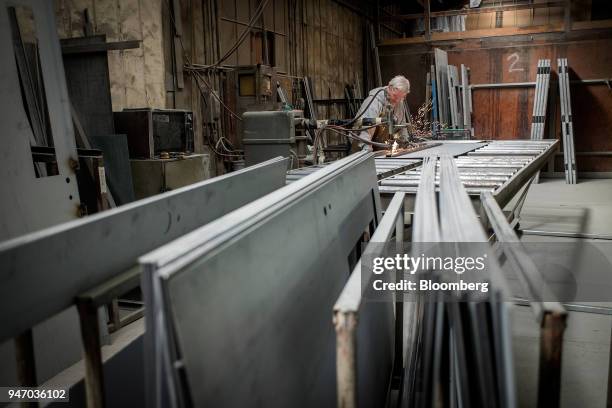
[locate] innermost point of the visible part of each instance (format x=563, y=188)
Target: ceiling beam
x=480, y=10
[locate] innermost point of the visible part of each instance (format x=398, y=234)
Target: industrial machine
x=269, y=134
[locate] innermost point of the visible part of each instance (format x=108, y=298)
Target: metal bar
x=399, y=303
x=465, y=93
x=532, y=282
x=426, y=227
x=503, y=85
x=457, y=215
x=573, y=307
x=566, y=234
x=121, y=235
x=452, y=97
x=598, y=81
x=587, y=154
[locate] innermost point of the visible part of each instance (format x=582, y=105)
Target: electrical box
x=256, y=83
x=153, y=131
x=154, y=176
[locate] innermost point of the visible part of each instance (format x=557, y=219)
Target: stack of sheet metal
x=460, y=350
x=540, y=100
x=242, y=305
x=567, y=126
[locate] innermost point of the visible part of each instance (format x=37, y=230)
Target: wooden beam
x=102, y=47
x=549, y=370
x=427, y=19
x=484, y=33
x=480, y=10
x=590, y=25
x=567, y=16
x=92, y=354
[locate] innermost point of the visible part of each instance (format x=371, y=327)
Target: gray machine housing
x=270, y=134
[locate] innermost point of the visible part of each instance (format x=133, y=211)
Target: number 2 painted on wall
x=514, y=58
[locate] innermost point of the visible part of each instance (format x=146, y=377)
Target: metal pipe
x=503, y=85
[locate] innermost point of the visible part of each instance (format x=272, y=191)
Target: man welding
x=385, y=102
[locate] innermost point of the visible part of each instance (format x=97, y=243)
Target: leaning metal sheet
x=367, y=327
x=453, y=148
x=249, y=295
x=30, y=203
x=58, y=263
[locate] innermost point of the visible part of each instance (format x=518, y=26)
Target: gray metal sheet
x=250, y=294
x=453, y=149
x=367, y=327
x=56, y=264
x=29, y=203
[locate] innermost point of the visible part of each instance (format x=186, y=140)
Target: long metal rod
x=503, y=85
x=426, y=227
x=566, y=234
x=532, y=281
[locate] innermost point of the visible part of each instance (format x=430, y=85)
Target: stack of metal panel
x=466, y=98
x=442, y=91
x=541, y=99
x=569, y=154
x=456, y=101
x=251, y=294
x=539, y=102
x=493, y=167
x=460, y=350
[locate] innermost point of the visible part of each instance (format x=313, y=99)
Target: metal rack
x=500, y=167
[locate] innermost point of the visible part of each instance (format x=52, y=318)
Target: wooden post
x=113, y=311
x=427, y=20
x=26, y=364
x=567, y=18
x=92, y=354
x=551, y=346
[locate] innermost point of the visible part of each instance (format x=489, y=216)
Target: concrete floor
x=583, y=208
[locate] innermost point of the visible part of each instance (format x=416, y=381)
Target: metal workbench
x=499, y=167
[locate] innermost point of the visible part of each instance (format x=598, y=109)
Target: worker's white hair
x=400, y=83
